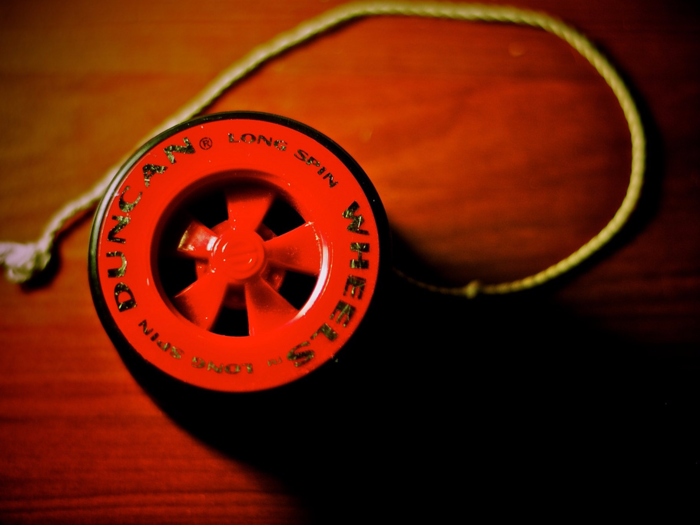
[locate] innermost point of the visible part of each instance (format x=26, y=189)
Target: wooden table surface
x=496, y=150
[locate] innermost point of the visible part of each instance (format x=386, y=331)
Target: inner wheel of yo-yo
x=239, y=259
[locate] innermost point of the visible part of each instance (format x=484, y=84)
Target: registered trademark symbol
x=205, y=143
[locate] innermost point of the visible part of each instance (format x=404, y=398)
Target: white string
x=22, y=261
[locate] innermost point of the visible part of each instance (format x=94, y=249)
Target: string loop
x=22, y=261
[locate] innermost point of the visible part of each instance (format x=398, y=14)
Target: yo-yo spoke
x=201, y=301
x=298, y=250
x=267, y=309
x=197, y=242
x=247, y=207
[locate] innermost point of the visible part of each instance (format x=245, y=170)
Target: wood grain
x=497, y=151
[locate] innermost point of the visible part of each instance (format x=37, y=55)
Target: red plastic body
x=208, y=224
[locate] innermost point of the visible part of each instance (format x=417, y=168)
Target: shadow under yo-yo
x=435, y=403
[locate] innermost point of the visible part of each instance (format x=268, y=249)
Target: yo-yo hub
x=237, y=252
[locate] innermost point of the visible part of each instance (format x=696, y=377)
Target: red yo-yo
x=237, y=251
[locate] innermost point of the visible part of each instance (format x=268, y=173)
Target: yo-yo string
x=23, y=260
